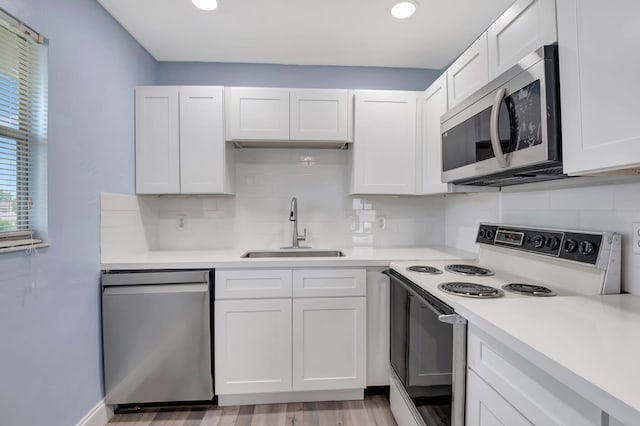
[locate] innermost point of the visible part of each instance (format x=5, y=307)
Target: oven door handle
x=495, y=132
x=413, y=293
x=452, y=319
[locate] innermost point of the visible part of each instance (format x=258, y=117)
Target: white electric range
x=428, y=338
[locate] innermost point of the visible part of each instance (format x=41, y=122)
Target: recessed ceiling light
x=403, y=9
x=205, y=4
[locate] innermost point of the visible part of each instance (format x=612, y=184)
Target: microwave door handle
x=495, y=133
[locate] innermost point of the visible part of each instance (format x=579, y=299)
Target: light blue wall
x=224, y=74
x=50, y=344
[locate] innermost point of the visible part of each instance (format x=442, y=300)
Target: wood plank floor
x=373, y=411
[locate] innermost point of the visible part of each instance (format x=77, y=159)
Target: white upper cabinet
x=180, y=147
x=469, y=72
x=263, y=114
x=157, y=140
x=524, y=27
x=205, y=165
x=319, y=115
x=384, y=148
x=257, y=113
x=599, y=88
x=434, y=105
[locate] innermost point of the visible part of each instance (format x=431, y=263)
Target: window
x=23, y=133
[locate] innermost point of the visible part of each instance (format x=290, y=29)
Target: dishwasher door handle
x=155, y=289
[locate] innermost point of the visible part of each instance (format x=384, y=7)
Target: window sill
x=23, y=248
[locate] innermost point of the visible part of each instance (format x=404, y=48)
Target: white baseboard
x=282, y=397
x=98, y=416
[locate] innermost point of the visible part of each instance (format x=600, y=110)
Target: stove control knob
x=553, y=243
x=587, y=248
x=482, y=233
x=570, y=245
x=490, y=234
x=538, y=241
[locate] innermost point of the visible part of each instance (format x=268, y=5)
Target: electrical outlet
x=636, y=237
x=181, y=222
x=381, y=222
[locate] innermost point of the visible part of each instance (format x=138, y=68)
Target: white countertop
x=195, y=259
x=589, y=343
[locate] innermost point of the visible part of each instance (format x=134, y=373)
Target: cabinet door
x=202, y=145
x=252, y=346
x=157, y=140
x=329, y=344
x=319, y=115
x=486, y=407
x=524, y=27
x=469, y=72
x=257, y=114
x=599, y=84
x=433, y=107
x=384, y=148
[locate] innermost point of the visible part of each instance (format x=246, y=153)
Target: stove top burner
x=469, y=270
x=529, y=289
x=424, y=269
x=470, y=290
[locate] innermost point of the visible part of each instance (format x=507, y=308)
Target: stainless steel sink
x=293, y=253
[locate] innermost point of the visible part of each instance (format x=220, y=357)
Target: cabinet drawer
x=252, y=283
x=539, y=397
x=329, y=282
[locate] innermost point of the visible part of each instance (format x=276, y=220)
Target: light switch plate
x=636, y=237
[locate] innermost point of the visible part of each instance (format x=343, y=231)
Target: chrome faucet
x=293, y=217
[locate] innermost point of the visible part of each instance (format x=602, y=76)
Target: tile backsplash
x=600, y=208
x=258, y=216
x=266, y=179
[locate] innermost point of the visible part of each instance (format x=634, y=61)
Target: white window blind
x=23, y=130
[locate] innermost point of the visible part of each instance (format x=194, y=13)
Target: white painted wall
x=257, y=217
x=606, y=208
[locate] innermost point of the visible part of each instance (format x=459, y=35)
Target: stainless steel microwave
x=508, y=132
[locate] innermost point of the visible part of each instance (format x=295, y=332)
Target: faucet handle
x=304, y=236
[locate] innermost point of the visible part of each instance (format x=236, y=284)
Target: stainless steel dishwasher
x=157, y=336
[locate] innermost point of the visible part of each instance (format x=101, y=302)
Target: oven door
x=428, y=351
x=514, y=126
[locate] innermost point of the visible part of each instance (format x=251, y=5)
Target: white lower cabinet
x=378, y=327
x=252, y=346
x=486, y=407
x=505, y=388
x=273, y=343
x=329, y=343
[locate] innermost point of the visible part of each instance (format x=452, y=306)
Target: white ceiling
x=307, y=32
